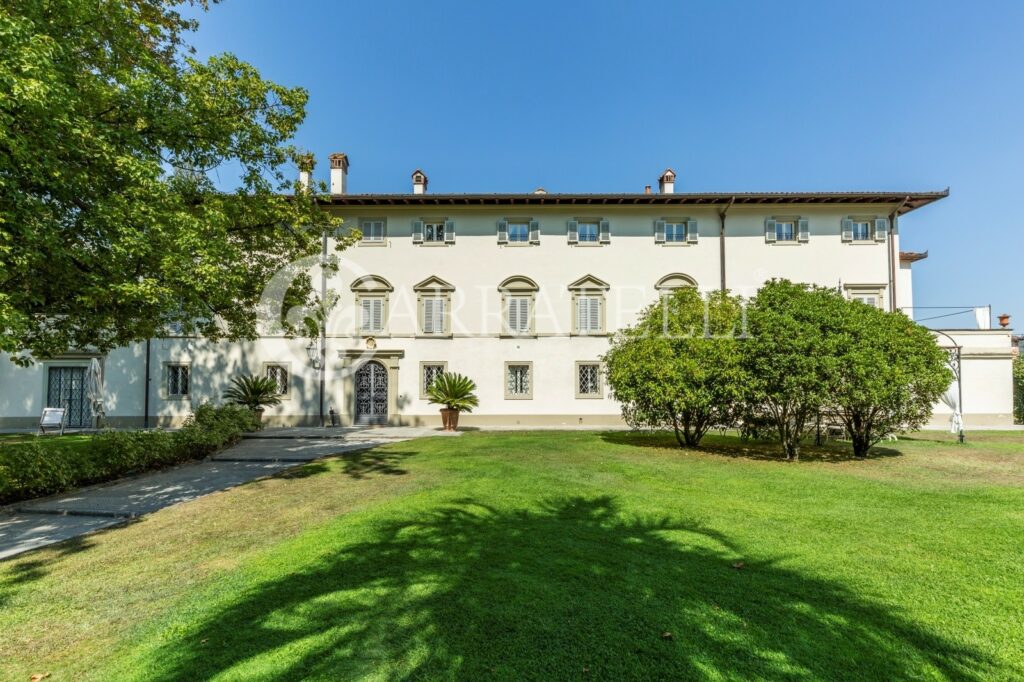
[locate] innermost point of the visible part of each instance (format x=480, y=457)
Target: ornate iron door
x=66, y=388
x=372, y=394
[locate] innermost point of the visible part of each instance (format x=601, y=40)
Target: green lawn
x=552, y=556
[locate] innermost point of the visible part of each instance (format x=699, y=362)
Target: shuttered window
x=588, y=314
x=433, y=316
x=372, y=319
x=518, y=315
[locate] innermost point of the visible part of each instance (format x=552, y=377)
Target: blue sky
x=601, y=96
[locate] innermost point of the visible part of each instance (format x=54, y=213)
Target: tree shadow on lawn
x=734, y=446
x=570, y=588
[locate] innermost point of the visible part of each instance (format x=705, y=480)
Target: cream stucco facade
x=542, y=372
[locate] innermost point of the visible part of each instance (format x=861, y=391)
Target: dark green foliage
x=454, y=391
x=253, y=392
x=44, y=466
x=679, y=366
x=1018, y=390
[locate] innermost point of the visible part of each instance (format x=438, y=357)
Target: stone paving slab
x=149, y=492
x=23, y=532
x=292, y=449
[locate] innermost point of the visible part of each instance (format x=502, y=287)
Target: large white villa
x=520, y=292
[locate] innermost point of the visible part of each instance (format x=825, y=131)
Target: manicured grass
x=552, y=556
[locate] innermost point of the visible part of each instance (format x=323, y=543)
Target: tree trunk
x=861, y=445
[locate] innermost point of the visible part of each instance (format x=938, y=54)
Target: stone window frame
x=419, y=379
x=504, y=379
x=518, y=286
x=165, y=384
x=600, y=380
x=589, y=286
x=852, y=291
x=371, y=287
x=383, y=241
x=287, y=365
x=437, y=288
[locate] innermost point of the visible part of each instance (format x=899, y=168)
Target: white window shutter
x=378, y=314
x=367, y=315
x=804, y=230
x=439, y=305
x=428, y=316
x=417, y=232
x=573, y=231
x=659, y=231
x=594, y=321
x=847, y=230
x=606, y=232
x=534, y=232
x=769, y=230
x=449, y=231
x=524, y=315
x=513, y=314
x=881, y=229
x=692, y=235
x=503, y=232
x=582, y=313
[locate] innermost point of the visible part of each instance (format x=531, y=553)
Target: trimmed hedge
x=44, y=467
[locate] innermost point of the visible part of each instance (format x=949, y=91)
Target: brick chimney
x=339, y=173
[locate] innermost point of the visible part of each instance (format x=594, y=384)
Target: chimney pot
x=1004, y=321
x=667, y=182
x=647, y=189
x=419, y=182
x=339, y=173
x=306, y=165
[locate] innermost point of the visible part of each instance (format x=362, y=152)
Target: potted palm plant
x=254, y=392
x=456, y=393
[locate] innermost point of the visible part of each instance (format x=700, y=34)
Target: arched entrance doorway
x=372, y=394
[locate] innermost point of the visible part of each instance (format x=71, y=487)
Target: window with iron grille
x=518, y=381
x=279, y=373
x=588, y=380
x=431, y=372
x=177, y=381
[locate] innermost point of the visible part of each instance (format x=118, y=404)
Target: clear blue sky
x=596, y=96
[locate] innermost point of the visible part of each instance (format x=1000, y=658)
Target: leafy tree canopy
x=110, y=227
x=679, y=366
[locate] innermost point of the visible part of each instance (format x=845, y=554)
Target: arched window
x=669, y=283
x=372, y=304
x=518, y=298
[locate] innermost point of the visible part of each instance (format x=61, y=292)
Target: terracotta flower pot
x=449, y=419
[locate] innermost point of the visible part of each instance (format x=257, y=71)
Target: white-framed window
x=518, y=380
x=785, y=230
x=588, y=380
x=428, y=372
x=434, y=314
x=279, y=373
x=371, y=314
x=433, y=231
x=675, y=232
x=588, y=232
x=868, y=294
x=373, y=231
x=519, y=232
x=178, y=380
x=860, y=230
